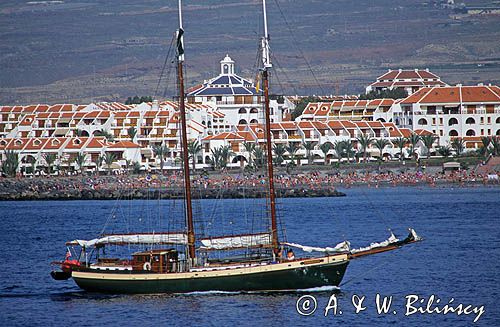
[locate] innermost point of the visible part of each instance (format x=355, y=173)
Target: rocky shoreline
x=144, y=194
x=81, y=189
x=169, y=187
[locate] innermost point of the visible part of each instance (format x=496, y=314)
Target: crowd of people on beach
x=310, y=180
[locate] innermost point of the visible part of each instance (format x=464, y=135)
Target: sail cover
x=341, y=247
x=125, y=239
x=237, y=241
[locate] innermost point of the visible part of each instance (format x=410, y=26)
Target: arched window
x=254, y=111
x=242, y=111
x=254, y=121
x=242, y=122
x=470, y=121
x=453, y=133
x=498, y=120
x=470, y=132
x=203, y=122
x=452, y=121
x=422, y=121
x=498, y=132
x=410, y=121
x=396, y=121
x=382, y=120
x=209, y=124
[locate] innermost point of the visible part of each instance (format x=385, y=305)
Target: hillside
x=79, y=51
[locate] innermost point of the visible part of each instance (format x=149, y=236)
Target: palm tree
x=458, y=144
x=10, y=164
x=98, y=163
x=364, y=141
x=484, y=150
x=249, y=147
x=309, y=146
x=380, y=144
x=80, y=161
x=428, y=141
x=339, y=149
x=109, y=158
x=106, y=134
x=226, y=155
x=259, y=155
x=325, y=147
x=221, y=156
x=193, y=148
x=495, y=142
x=132, y=132
x=349, y=150
x=136, y=167
x=50, y=158
x=400, y=142
x=445, y=151
x=292, y=149
x=128, y=164
x=413, y=139
x=216, y=157
x=279, y=151
x=160, y=151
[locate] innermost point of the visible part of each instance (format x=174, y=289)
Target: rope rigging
x=167, y=59
x=296, y=45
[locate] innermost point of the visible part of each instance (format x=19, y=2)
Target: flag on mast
x=180, y=44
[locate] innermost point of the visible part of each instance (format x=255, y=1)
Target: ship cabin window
x=159, y=260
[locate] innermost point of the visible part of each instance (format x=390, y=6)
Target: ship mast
x=185, y=155
x=266, y=61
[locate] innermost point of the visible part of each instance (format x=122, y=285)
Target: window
x=254, y=111
x=452, y=121
x=242, y=111
x=422, y=121
x=470, y=132
x=242, y=122
x=453, y=133
x=470, y=121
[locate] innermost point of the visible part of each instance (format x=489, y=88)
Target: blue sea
x=458, y=262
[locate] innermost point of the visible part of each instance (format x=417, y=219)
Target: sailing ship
x=159, y=268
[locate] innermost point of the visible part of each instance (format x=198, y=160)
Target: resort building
x=356, y=110
x=407, y=80
x=468, y=112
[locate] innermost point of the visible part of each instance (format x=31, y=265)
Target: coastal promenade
x=154, y=186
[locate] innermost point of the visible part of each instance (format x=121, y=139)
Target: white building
x=408, y=80
x=236, y=97
x=458, y=111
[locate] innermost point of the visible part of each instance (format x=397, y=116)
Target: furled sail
x=391, y=240
x=341, y=247
x=390, y=244
x=236, y=241
x=124, y=239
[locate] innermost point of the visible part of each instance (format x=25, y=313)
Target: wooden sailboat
x=166, y=270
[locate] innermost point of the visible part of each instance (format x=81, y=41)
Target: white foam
x=325, y=288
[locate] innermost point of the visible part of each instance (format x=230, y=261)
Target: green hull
x=330, y=274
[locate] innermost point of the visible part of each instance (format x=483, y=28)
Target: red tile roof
x=124, y=144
